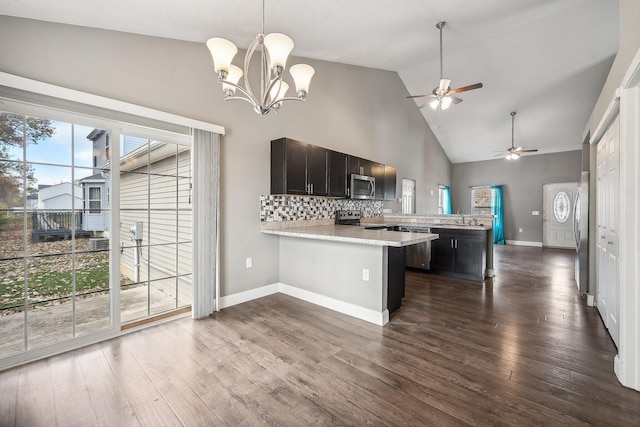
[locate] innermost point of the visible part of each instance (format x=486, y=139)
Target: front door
x=557, y=210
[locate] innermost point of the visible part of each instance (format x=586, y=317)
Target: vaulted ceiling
x=545, y=59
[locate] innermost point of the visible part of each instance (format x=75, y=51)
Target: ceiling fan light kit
x=274, y=51
x=442, y=96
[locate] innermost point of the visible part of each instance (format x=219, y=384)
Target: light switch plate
x=535, y=212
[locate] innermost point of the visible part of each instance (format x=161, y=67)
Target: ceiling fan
x=442, y=96
x=513, y=152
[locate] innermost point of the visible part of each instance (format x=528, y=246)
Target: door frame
x=626, y=100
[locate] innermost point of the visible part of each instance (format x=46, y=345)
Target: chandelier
x=274, y=50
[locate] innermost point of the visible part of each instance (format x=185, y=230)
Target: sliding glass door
x=95, y=227
x=155, y=217
x=54, y=273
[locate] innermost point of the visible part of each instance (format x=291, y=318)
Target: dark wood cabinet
x=377, y=171
x=338, y=174
x=389, y=185
x=360, y=166
x=318, y=170
x=395, y=277
x=459, y=253
x=298, y=168
x=305, y=169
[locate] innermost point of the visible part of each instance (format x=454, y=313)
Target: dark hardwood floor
x=520, y=349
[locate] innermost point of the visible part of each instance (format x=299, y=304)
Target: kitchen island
x=348, y=269
x=464, y=249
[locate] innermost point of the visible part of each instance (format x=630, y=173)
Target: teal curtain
x=497, y=209
x=446, y=203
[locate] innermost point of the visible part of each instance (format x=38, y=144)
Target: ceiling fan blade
x=454, y=99
x=419, y=96
x=444, y=85
x=465, y=88
x=533, y=150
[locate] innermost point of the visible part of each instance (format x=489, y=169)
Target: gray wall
x=628, y=45
x=356, y=110
x=522, y=181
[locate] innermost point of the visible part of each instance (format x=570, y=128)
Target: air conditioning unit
x=98, y=244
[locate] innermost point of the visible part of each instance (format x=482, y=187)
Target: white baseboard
x=240, y=297
x=523, y=243
x=362, y=313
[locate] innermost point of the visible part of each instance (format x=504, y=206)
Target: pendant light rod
x=439, y=26
x=513, y=119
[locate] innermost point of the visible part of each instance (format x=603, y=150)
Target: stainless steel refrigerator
x=581, y=233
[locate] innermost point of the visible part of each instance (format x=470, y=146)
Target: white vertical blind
x=206, y=190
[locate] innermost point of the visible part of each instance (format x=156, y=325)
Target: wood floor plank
x=522, y=348
x=71, y=392
x=148, y=403
x=8, y=398
x=35, y=403
x=108, y=398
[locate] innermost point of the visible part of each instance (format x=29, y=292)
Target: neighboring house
x=95, y=203
x=159, y=197
x=150, y=195
x=60, y=197
x=101, y=148
x=32, y=201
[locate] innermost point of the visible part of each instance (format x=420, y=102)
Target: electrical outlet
x=365, y=274
x=249, y=262
x=432, y=192
x=519, y=230
x=535, y=213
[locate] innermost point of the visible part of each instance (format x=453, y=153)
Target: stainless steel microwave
x=362, y=187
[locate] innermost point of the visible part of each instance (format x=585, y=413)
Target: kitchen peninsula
x=356, y=270
x=349, y=269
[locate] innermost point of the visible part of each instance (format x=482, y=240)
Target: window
x=481, y=200
x=95, y=200
x=561, y=206
x=444, y=202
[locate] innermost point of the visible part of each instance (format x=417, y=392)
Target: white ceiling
x=545, y=59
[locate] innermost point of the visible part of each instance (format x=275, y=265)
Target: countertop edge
x=370, y=237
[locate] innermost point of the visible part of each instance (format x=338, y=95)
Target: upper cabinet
x=338, y=175
x=377, y=171
x=360, y=166
x=298, y=168
x=318, y=170
x=305, y=169
x=389, y=188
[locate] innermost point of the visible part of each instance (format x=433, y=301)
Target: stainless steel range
x=348, y=217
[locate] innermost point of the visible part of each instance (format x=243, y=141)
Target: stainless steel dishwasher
x=418, y=255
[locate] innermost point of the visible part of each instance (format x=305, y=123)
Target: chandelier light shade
x=274, y=49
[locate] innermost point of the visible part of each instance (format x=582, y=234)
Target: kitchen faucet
x=461, y=212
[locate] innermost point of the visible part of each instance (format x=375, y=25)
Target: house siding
x=160, y=200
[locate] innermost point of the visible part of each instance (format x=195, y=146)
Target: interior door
x=557, y=209
x=608, y=202
x=408, y=196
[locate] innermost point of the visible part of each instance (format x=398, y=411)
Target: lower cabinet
x=459, y=253
x=395, y=277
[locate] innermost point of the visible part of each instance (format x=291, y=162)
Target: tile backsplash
x=275, y=208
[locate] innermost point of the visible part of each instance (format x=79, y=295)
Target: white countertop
x=353, y=234
x=451, y=221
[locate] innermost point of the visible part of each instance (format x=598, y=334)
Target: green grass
x=56, y=284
